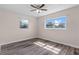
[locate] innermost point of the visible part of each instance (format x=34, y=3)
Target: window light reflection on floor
x=48, y=47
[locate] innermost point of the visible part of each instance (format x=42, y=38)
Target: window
x=24, y=24
x=56, y=23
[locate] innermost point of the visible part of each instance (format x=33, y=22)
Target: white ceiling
x=25, y=8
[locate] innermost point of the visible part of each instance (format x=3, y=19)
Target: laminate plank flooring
x=38, y=47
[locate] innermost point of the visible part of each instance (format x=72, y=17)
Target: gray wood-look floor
x=38, y=47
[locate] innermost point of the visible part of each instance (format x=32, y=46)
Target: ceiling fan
x=38, y=7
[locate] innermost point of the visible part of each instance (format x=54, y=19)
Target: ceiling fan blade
x=33, y=10
x=42, y=5
x=44, y=9
x=33, y=6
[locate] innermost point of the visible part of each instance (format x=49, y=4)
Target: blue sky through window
x=59, y=19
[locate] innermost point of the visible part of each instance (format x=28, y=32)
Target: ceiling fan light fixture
x=38, y=11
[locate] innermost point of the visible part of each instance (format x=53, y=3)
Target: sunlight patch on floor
x=48, y=47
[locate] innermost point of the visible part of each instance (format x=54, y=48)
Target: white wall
x=67, y=37
x=10, y=30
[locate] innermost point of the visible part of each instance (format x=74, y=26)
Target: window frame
x=56, y=28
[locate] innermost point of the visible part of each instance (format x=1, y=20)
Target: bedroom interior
x=39, y=29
